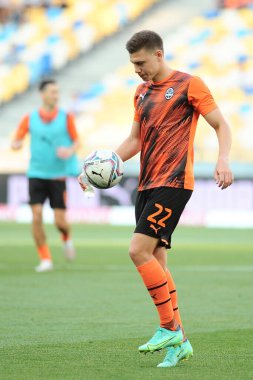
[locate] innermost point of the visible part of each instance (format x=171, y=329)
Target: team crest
x=169, y=93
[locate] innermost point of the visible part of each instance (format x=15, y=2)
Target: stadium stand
x=37, y=37
x=217, y=46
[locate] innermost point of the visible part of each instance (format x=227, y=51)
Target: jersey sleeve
x=22, y=129
x=71, y=126
x=200, y=97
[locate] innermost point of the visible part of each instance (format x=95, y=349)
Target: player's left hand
x=64, y=152
x=81, y=182
x=223, y=174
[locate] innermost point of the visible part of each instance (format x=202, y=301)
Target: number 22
x=151, y=218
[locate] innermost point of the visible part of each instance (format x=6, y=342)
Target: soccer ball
x=103, y=169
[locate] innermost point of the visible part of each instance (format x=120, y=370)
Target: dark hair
x=146, y=39
x=45, y=82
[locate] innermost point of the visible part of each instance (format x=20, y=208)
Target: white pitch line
x=78, y=242
x=214, y=268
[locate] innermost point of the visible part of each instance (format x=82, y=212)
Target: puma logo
x=99, y=174
x=154, y=228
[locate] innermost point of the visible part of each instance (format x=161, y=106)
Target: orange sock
x=173, y=294
x=155, y=281
x=65, y=236
x=44, y=252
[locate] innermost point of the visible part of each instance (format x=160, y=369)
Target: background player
x=53, y=143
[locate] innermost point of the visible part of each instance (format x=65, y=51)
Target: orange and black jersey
x=168, y=112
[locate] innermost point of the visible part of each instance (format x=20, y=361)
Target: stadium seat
x=49, y=38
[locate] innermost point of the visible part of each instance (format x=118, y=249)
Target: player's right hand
x=16, y=144
x=81, y=183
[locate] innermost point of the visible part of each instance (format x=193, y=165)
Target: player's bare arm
x=64, y=152
x=223, y=174
x=132, y=144
x=21, y=132
x=17, y=144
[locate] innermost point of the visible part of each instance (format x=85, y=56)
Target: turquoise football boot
x=177, y=353
x=162, y=338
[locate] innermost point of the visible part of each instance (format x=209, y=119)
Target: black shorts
x=158, y=210
x=52, y=189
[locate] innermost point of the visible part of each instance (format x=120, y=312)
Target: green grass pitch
x=86, y=319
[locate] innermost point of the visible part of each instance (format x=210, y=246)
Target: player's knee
x=37, y=218
x=161, y=256
x=138, y=255
x=60, y=223
x=133, y=253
